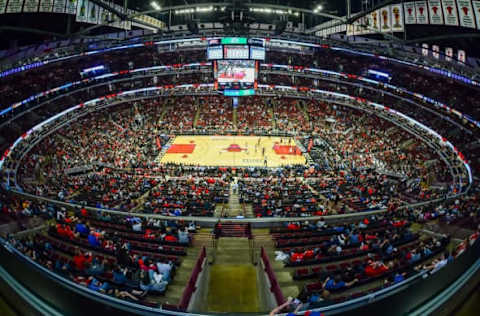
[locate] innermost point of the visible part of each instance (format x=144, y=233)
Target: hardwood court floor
x=240, y=151
x=232, y=289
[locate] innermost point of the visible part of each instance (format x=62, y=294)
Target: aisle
x=233, y=279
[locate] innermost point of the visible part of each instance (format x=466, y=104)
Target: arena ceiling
x=23, y=29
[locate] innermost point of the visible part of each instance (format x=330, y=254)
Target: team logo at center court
x=235, y=148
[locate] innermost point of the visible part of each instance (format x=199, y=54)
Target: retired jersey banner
x=410, y=17
x=421, y=12
x=450, y=12
x=476, y=10
x=435, y=12
x=385, y=20
x=397, y=18
x=375, y=27
x=448, y=54
x=59, y=6
x=46, y=6
x=71, y=7
x=81, y=11
x=465, y=13
x=14, y=6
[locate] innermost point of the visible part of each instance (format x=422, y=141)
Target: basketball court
x=241, y=151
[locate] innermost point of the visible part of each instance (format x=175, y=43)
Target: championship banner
x=397, y=18
x=81, y=11
x=476, y=10
x=435, y=12
x=14, y=6
x=46, y=6
x=30, y=6
x=465, y=13
x=92, y=16
x=450, y=12
x=409, y=9
x=448, y=54
x=59, y=6
x=421, y=12
x=71, y=7
x=3, y=4
x=385, y=20
x=425, y=49
x=436, y=51
x=462, y=56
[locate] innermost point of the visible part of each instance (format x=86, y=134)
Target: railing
x=274, y=287
x=192, y=282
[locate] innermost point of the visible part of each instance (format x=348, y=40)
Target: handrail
x=207, y=220
x=191, y=285
x=274, y=287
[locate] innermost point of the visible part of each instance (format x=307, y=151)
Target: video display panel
x=215, y=52
x=236, y=71
x=257, y=53
x=236, y=52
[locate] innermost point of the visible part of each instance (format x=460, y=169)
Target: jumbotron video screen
x=238, y=74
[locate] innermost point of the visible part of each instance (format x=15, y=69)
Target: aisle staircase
x=234, y=208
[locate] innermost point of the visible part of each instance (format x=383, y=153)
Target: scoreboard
x=236, y=48
x=236, y=52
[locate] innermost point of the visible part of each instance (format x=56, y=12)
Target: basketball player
x=263, y=151
x=265, y=162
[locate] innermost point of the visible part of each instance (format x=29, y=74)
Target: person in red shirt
x=375, y=268
x=171, y=238
x=79, y=261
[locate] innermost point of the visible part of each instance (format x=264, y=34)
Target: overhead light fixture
x=318, y=8
x=155, y=5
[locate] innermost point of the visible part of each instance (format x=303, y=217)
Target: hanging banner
x=81, y=11
x=59, y=6
x=385, y=20
x=397, y=18
x=30, y=6
x=462, y=56
x=425, y=49
x=3, y=4
x=410, y=17
x=46, y=6
x=105, y=16
x=435, y=12
x=450, y=12
x=375, y=27
x=436, y=51
x=92, y=13
x=14, y=6
x=368, y=22
x=448, y=54
x=476, y=10
x=421, y=12
x=71, y=7
x=465, y=13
